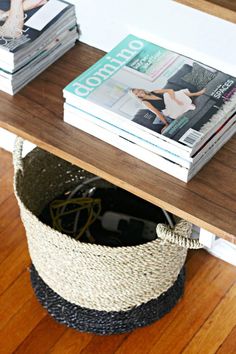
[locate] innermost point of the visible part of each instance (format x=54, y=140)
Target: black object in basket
x=123, y=220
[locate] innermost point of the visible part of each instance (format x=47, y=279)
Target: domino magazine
x=158, y=95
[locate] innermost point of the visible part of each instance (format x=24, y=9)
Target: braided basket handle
x=17, y=154
x=180, y=235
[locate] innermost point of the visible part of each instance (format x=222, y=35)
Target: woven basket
x=91, y=287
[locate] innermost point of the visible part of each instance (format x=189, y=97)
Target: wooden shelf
x=224, y=9
x=36, y=114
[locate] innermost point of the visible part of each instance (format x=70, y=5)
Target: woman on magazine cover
x=13, y=19
x=167, y=104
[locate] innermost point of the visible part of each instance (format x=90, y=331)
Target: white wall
x=7, y=140
x=172, y=25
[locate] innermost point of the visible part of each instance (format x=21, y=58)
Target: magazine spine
x=214, y=139
x=216, y=121
x=20, y=74
x=57, y=54
x=127, y=146
x=126, y=135
x=124, y=123
x=214, y=149
x=187, y=163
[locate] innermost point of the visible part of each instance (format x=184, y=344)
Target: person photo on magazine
x=167, y=104
x=12, y=19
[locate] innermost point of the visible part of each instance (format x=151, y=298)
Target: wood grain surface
x=36, y=114
x=224, y=9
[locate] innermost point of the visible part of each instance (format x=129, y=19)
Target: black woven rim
x=102, y=322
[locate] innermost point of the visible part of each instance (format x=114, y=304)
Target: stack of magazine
x=33, y=34
x=168, y=110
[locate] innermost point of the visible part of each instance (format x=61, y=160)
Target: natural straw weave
x=91, y=276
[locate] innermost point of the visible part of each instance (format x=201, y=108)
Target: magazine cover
x=140, y=84
x=22, y=21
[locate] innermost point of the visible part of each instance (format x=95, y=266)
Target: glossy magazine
x=24, y=21
x=158, y=95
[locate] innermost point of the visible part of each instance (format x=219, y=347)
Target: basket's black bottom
x=102, y=322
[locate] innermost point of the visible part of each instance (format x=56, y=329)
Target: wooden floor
x=204, y=321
